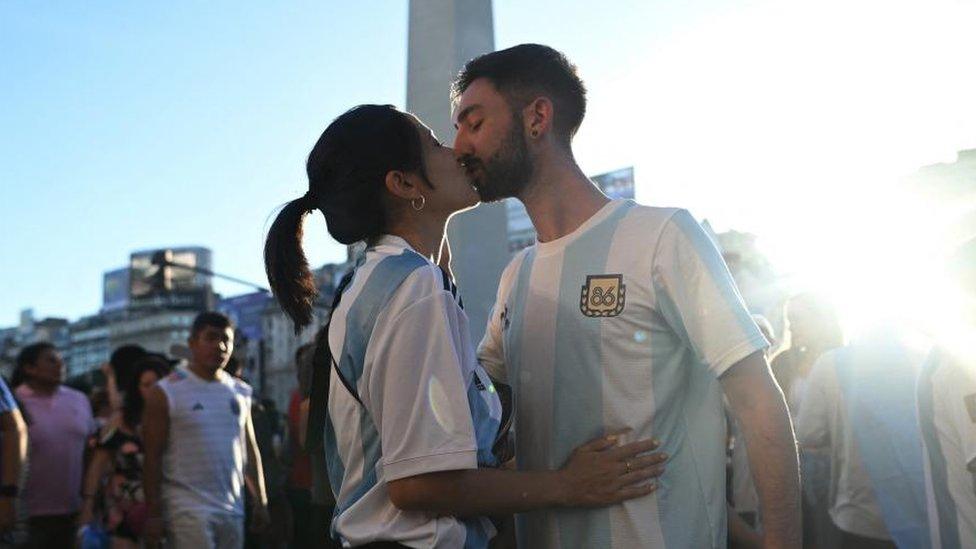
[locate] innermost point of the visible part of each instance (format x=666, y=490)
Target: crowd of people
x=623, y=394
x=162, y=449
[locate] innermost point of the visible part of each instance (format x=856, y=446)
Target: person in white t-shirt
x=200, y=450
x=413, y=423
x=947, y=416
x=621, y=316
x=859, y=406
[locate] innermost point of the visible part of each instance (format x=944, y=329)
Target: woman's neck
x=424, y=234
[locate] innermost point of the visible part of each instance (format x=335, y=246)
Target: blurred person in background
x=859, y=405
x=322, y=497
x=59, y=423
x=118, y=373
x=264, y=418
x=13, y=456
x=200, y=448
x=947, y=413
x=298, y=460
x=118, y=502
x=812, y=327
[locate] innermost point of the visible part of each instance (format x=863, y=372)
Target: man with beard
x=621, y=317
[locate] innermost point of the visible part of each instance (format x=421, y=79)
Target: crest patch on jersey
x=235, y=407
x=603, y=295
x=971, y=406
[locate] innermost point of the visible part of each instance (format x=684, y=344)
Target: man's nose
x=461, y=146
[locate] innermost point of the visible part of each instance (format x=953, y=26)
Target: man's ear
x=537, y=117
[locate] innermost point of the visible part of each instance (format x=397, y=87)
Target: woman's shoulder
x=404, y=273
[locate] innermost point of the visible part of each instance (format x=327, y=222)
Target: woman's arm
x=97, y=468
x=598, y=473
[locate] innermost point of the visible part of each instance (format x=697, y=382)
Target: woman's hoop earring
x=423, y=202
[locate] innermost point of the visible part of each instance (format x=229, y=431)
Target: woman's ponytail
x=286, y=265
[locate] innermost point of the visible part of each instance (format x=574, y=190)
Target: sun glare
x=796, y=122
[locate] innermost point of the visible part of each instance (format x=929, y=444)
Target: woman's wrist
x=557, y=488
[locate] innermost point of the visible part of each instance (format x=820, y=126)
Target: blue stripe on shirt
x=948, y=527
x=578, y=403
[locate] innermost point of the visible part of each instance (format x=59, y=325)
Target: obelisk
x=443, y=35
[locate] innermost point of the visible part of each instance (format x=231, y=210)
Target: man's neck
x=202, y=372
x=43, y=387
x=560, y=198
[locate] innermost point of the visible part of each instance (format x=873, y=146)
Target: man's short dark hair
x=522, y=73
x=210, y=319
x=29, y=355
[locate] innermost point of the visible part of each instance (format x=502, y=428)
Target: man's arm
x=254, y=474
x=155, y=434
x=759, y=406
x=13, y=454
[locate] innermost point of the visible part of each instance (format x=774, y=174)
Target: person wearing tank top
x=199, y=438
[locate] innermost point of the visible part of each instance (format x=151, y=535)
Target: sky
x=129, y=126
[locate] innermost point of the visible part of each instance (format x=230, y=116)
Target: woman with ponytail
x=412, y=419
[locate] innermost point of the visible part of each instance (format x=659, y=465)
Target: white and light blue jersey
x=401, y=340
x=859, y=405
x=947, y=416
x=627, y=322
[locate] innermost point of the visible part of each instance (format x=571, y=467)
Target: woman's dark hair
x=123, y=359
x=346, y=180
x=133, y=403
x=28, y=356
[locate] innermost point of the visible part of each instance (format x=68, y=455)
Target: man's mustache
x=468, y=161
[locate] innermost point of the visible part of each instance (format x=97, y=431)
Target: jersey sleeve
x=491, y=350
x=491, y=353
x=697, y=297
x=416, y=390
x=813, y=418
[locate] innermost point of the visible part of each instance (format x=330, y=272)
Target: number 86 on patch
x=603, y=295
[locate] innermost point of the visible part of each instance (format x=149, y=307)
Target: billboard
x=245, y=311
x=167, y=277
x=115, y=290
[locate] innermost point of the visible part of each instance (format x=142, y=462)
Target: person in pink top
x=59, y=423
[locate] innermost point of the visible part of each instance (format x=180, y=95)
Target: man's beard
x=508, y=171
